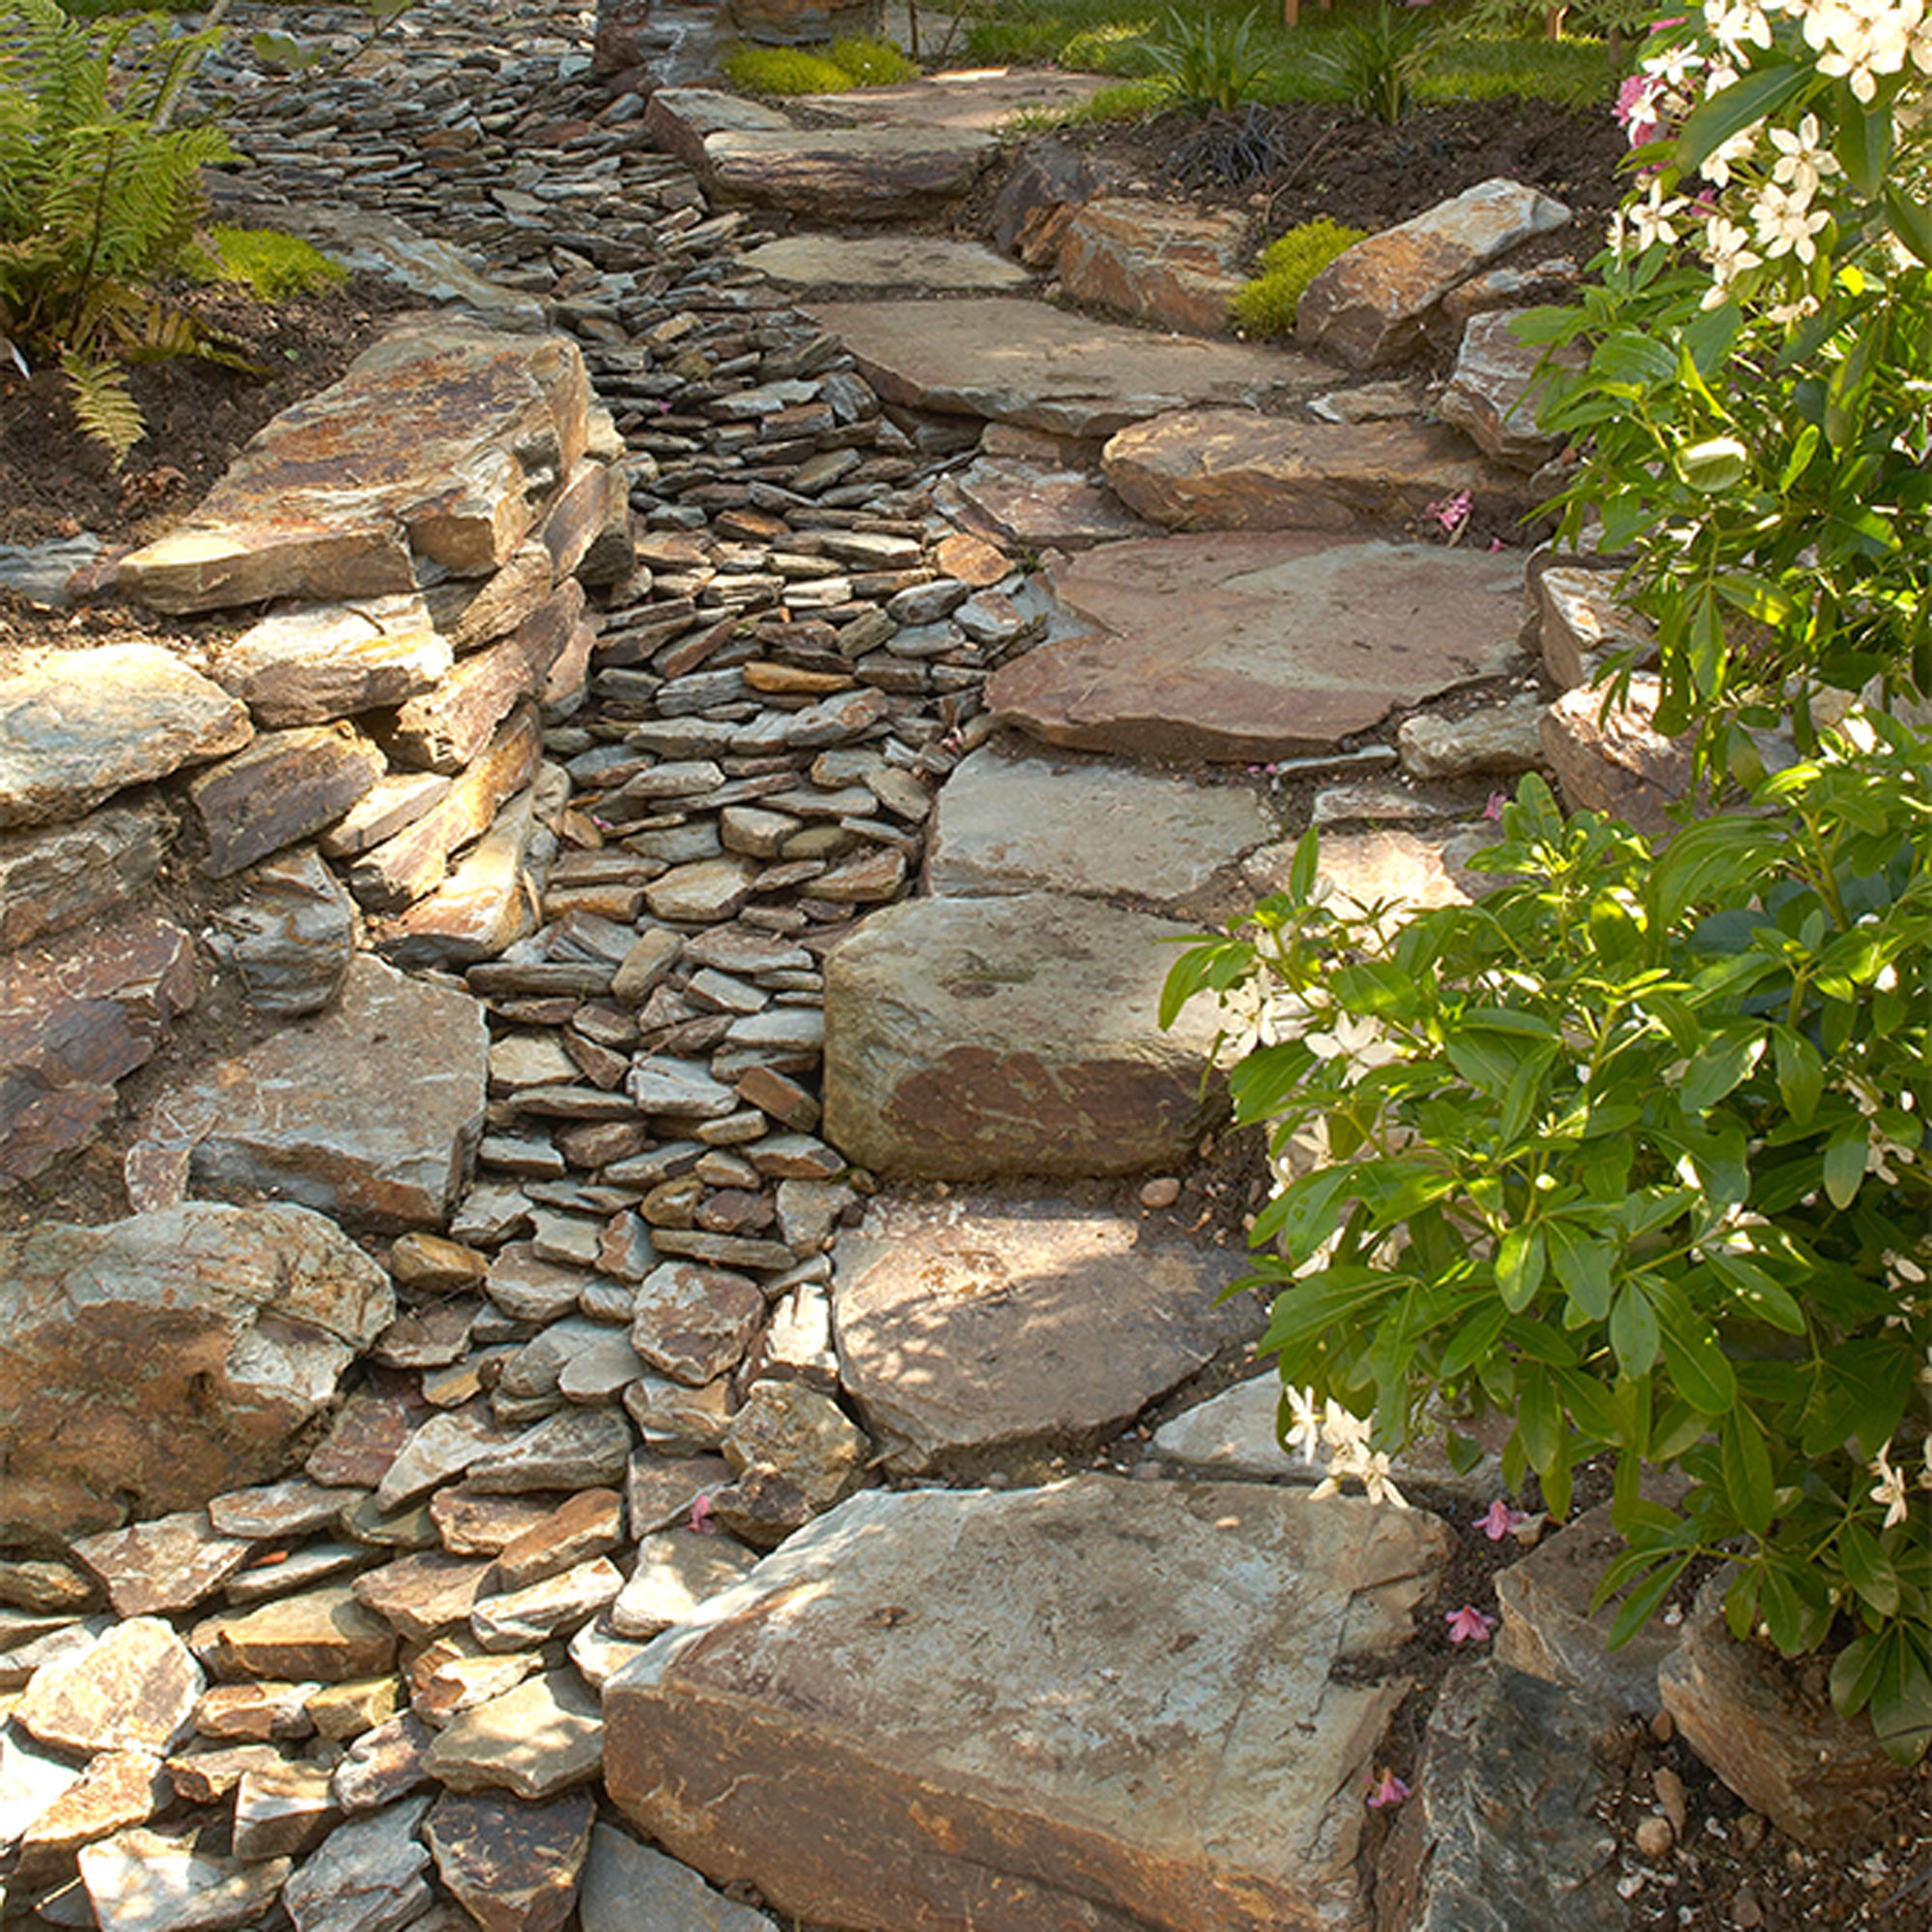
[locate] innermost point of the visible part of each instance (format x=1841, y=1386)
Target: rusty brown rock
x=323, y=1636
x=587, y=530
x=870, y=173
x=1495, y=388
x=1614, y=761
x=314, y=663
x=119, y=1788
x=591, y=1524
x=65, y=875
x=251, y=559
x=1172, y=265
x=135, y=1690
x=469, y=611
x=513, y=1866
x=286, y=786
x=423, y=1594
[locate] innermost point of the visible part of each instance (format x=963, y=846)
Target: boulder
x=151, y=1364
x=1173, y=265
x=864, y=174
x=1100, y=1703
x=1493, y=390
x=972, y=1037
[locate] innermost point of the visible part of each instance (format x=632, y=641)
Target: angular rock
x=442, y=1447
x=518, y=1619
x=795, y=1433
x=514, y=1867
x=1009, y=824
x=279, y=1510
x=1043, y=368
x=146, y=1881
x=384, y=1764
x=680, y=120
x=293, y=935
x=1030, y=1741
x=979, y=1326
x=585, y=1450
x=80, y=873
x=161, y=1360
x=694, y=1323
x=868, y=174
x=119, y=1788
x=883, y=262
x=323, y=1634
x=369, y=1112
x=135, y=1690
x=677, y=1571
x=366, y=1876
x=626, y=1883
x=1502, y=740
x=971, y=1038
x=537, y=1740
x=314, y=663
x=1583, y=623
x=1245, y=648
x=282, y=1810
x=1038, y=508
x=483, y=907
x=167, y=1563
x=423, y=1594
x=1238, y=469
x=1493, y=392
x=1371, y=305
x=32, y=1781
x=83, y=724
x=258, y=1713
x=1169, y=265
x=1617, y=761
x=285, y=786
x=591, y=1524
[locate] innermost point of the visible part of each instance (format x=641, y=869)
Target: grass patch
x=274, y=266
x=1266, y=305
x=834, y=69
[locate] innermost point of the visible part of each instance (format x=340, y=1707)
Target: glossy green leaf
x=1845, y=1162
x=1581, y=1262
x=1911, y=221
x=1746, y=1466
x=1718, y=1069
x=1474, y=1338
x=1868, y=1569
x=1692, y=1353
x=1763, y=1296
x=1864, y=146
x=1761, y=92
x=1520, y=1259
x=1643, y=1602
x=1855, y=1673
x=1801, y=1072
x=1634, y=1331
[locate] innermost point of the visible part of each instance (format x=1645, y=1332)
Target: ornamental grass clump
x=1266, y=305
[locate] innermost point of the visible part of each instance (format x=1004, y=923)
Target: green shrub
x=833, y=69
x=1207, y=59
x=1120, y=47
x=1266, y=305
x=1633, y=1150
x=274, y=266
x=871, y=63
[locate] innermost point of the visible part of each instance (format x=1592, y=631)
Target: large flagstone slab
x=865, y=173
x=1099, y=1705
x=872, y=262
x=968, y=1039
x=1043, y=368
x=1238, y=646
x=977, y=98
x=970, y=1328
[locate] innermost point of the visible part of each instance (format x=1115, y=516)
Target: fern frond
x=102, y=405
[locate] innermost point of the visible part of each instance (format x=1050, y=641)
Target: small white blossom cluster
x=1347, y=1438
x=1892, y=1487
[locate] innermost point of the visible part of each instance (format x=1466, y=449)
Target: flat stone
x=586, y=1449
x=340, y=1712
x=868, y=174
x=277, y=1510
x=983, y=98
x=293, y=934
x=680, y=120
x=455, y=1674
x=1238, y=469
x=369, y=1112
x=119, y=1788
x=286, y=786
x=660, y=1490
x=1170, y=265
x=366, y=1876
x=208, y=1777
x=677, y=1571
x=1502, y=740
x=259, y=1712
x=694, y=1323
x=80, y=873
x=442, y=1448
x=1043, y=368
x=1010, y=824
x=83, y=724
x=1503, y=1825
x=1400, y=867
x=975, y=1326
x=1371, y=305
x=513, y=1866
x=312, y=663
x=1582, y=622
x=972, y=1037
x=1247, y=648
x=1035, y=506
x=679, y=1421
x=282, y=1810
x=167, y=1563
x=423, y=1594
x=323, y=1634
x=32, y=1781
x=145, y=1881
x=626, y=1885
x=135, y=1690
x=1613, y=760
x=704, y=893
x=165, y=1358
x=539, y=1739
x=382, y=1764
x=879, y=262
x=1493, y=391
x=682, y=1088
x=1027, y=1712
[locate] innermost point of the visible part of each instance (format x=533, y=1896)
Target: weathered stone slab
x=865, y=173
x=626, y=1885
x=135, y=1690
x=1166, y=263
x=1248, y=647
x=156, y=1362
x=119, y=1788
x=875, y=262
x=293, y=935
x=970, y=1327
x=65, y=875
x=980, y=96
x=541, y=1738
x=1502, y=1826
x=1043, y=368
x=1029, y=1742
x=146, y=1881
x=1238, y=469
x=1499, y=740
x=1492, y=391
x=285, y=786
x=75, y=1015
x=514, y=1867
x=1038, y=506
x=971, y=1038
x=680, y=120
x=83, y=724
x=482, y=908
x=251, y=560
x=1371, y=305
x=367, y=1876
x=469, y=611
x=324, y=1635
x=166, y=1563
x=1582, y=622
x=315, y=663
x=1010, y=824
x=370, y=1112
x=1613, y=760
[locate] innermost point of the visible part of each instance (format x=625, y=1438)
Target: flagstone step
x=926, y=264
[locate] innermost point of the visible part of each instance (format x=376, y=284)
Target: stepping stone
x=1493, y=391
x=972, y=97
x=1037, y=508
x=1043, y=368
x=1243, y=648
x=680, y=120
x=854, y=174
x=972, y=1328
x=967, y=1039
x=368, y=1112
x=1237, y=470
x=922, y=262
x=1177, y=267
x=1101, y=1703
x=1009, y=824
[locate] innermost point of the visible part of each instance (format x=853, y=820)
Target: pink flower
x=1494, y=810
x=1500, y=1521
x=1453, y=512
x=1469, y=1625
x=700, y=1518
x=1390, y=1791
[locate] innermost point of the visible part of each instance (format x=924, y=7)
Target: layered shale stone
x=82, y=724
x=972, y=1037
x=513, y=1866
x=370, y=1112
x=875, y=262
x=135, y=1690
x=1611, y=757
x=285, y=786
x=626, y=1885
x=866, y=174
x=324, y=1635
x=1168, y=265
x=975, y=1327
x=1009, y=824
x=156, y=1362
x=293, y=935
x=367, y=1876
x=1238, y=469
x=67, y=874
x=166, y=1563
x=1582, y=623
x=1029, y=1740
x=147, y=1881
x=314, y=663
x=1495, y=388
x=1043, y=368
x=680, y=120
x=1371, y=305
x=541, y=1738
x=1245, y=647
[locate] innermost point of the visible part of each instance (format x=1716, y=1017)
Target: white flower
x=1305, y=1431
x=1859, y=40
x=1734, y=24
x=1650, y=218
x=1781, y=315
x=1347, y=1436
x=1375, y=1481
x=1801, y=162
x=1889, y=1489
x=1716, y=164
x=1784, y=223
x=1727, y=247
x=1360, y=1043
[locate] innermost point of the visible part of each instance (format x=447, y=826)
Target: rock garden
x=778, y=1145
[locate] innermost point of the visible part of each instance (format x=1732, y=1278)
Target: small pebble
x=1746, y=1911
x=1669, y=1788
x=1655, y=1838
x=1663, y=1729
x=1164, y=1191
x=1751, y=1830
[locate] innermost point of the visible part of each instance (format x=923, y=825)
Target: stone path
x=823, y=852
